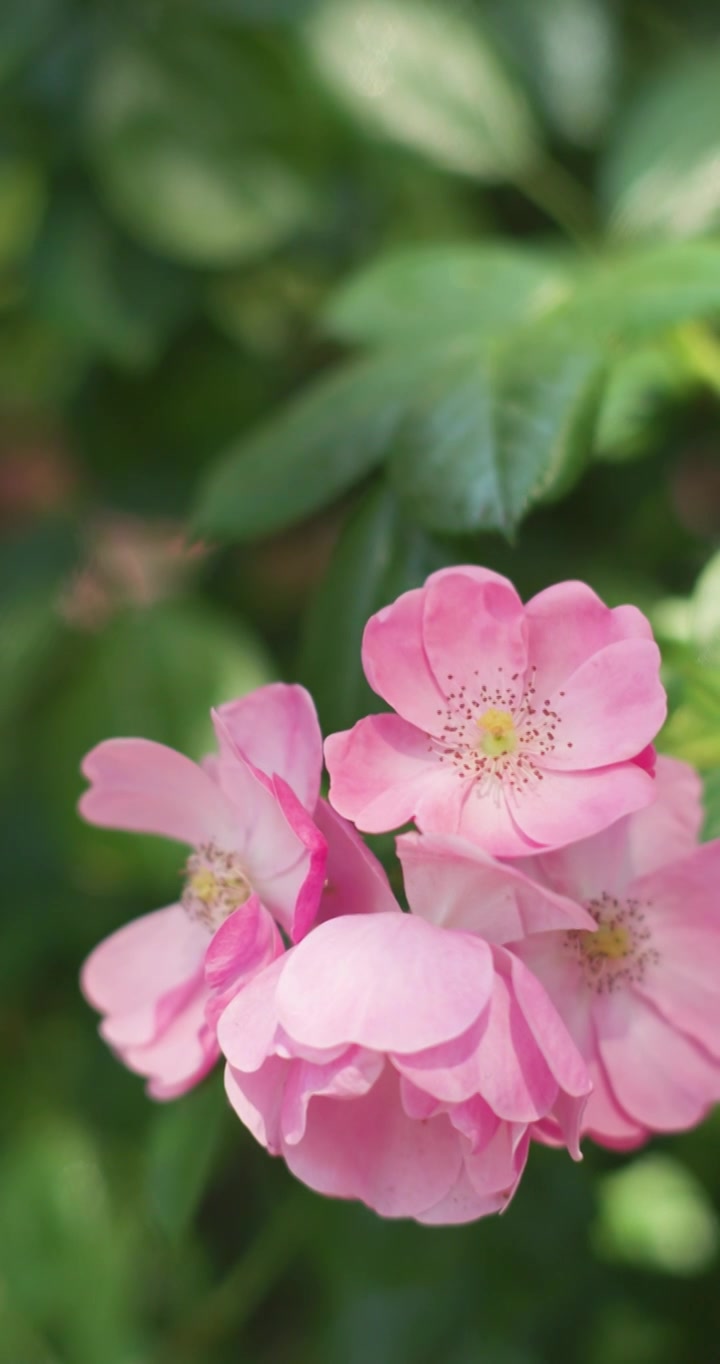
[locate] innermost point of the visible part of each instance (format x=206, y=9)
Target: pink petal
x=293, y=894
x=144, y=786
x=142, y=974
x=462, y=1204
x=387, y=981
x=474, y=632
x=369, y=1149
x=610, y=708
x=570, y=805
x=515, y=1079
x=257, y=1099
x=452, y=882
x=248, y=1028
x=347, y=1077
x=355, y=882
x=182, y=1054
x=659, y=1076
x=669, y=828
x=585, y=869
x=549, y=1031
x=247, y=941
x=450, y=804
x=568, y=623
x=284, y=853
x=276, y=729
x=378, y=771
x=395, y=662
x=497, y=1168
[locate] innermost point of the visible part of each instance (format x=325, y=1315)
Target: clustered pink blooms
x=556, y=974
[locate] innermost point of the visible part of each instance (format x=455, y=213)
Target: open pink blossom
x=257, y=857
x=640, y=994
x=519, y=727
x=399, y=1062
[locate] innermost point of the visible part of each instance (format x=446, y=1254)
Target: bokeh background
x=299, y=301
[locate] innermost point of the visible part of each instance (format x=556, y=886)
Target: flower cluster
x=557, y=972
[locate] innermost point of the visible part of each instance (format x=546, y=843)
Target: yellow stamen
x=498, y=731
x=612, y=940
x=204, y=885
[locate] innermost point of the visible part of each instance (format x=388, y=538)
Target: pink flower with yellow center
x=639, y=993
x=265, y=851
x=518, y=727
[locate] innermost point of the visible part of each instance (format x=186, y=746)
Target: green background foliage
x=298, y=302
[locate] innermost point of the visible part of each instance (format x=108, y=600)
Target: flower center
x=619, y=951
x=216, y=883
x=498, y=733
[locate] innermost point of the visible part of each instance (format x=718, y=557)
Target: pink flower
x=641, y=993
x=393, y=1060
x=257, y=856
x=517, y=727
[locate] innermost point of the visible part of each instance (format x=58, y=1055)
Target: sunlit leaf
x=485, y=288
x=424, y=75
x=181, y=185
x=662, y=171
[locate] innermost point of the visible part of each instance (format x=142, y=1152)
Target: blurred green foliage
x=299, y=300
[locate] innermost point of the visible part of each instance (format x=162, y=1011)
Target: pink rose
x=518, y=727
x=402, y=1062
x=257, y=858
x=640, y=993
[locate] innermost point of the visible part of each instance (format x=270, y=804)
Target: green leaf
x=181, y=184
x=102, y=292
x=424, y=75
x=185, y=1140
x=493, y=434
x=661, y=172
x=486, y=288
x=379, y=555
x=321, y=444
x=567, y=52
x=633, y=295
x=640, y=388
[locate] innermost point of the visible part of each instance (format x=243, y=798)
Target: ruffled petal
x=355, y=882
x=379, y=770
x=149, y=788
x=568, y=623
x=461, y=1204
x=396, y=664
x=610, y=708
x=370, y=1150
x=659, y=1076
x=248, y=1027
x=276, y=730
x=570, y=805
x=391, y=982
x=141, y=975
x=181, y=1055
x=474, y=633
x=456, y=884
